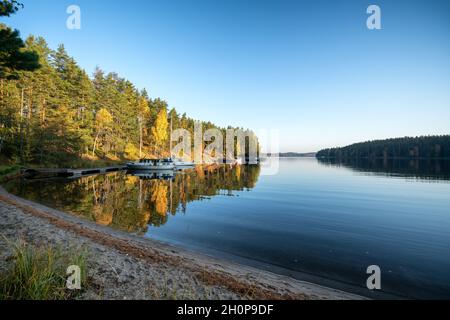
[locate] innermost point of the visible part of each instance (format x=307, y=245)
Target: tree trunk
x=140, y=138
x=95, y=143
x=20, y=127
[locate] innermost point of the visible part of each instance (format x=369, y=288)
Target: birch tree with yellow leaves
x=160, y=130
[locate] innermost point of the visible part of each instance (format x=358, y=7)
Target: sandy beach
x=125, y=266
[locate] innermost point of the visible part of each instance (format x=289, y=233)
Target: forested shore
x=407, y=147
x=58, y=113
x=53, y=113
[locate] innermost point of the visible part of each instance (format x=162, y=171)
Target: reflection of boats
x=153, y=174
x=152, y=164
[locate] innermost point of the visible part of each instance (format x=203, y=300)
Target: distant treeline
x=407, y=147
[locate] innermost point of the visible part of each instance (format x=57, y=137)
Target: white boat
x=152, y=164
x=180, y=163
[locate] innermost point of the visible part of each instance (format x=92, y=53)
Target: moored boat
x=152, y=164
x=179, y=163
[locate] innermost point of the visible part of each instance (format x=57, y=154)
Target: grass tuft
x=39, y=273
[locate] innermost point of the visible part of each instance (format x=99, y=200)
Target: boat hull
x=184, y=165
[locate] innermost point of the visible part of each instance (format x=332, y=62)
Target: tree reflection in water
x=433, y=169
x=132, y=201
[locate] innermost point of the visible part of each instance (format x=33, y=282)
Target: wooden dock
x=51, y=173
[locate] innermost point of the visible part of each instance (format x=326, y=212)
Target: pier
x=56, y=172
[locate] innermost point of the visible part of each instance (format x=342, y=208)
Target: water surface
x=315, y=220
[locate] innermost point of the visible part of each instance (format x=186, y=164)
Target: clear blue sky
x=308, y=68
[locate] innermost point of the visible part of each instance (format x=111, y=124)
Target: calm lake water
x=315, y=220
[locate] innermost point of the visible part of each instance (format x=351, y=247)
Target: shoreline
x=127, y=266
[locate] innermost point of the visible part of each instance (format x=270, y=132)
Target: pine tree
x=13, y=57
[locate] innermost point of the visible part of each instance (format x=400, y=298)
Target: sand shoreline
x=126, y=266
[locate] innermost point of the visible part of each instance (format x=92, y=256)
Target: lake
x=319, y=221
